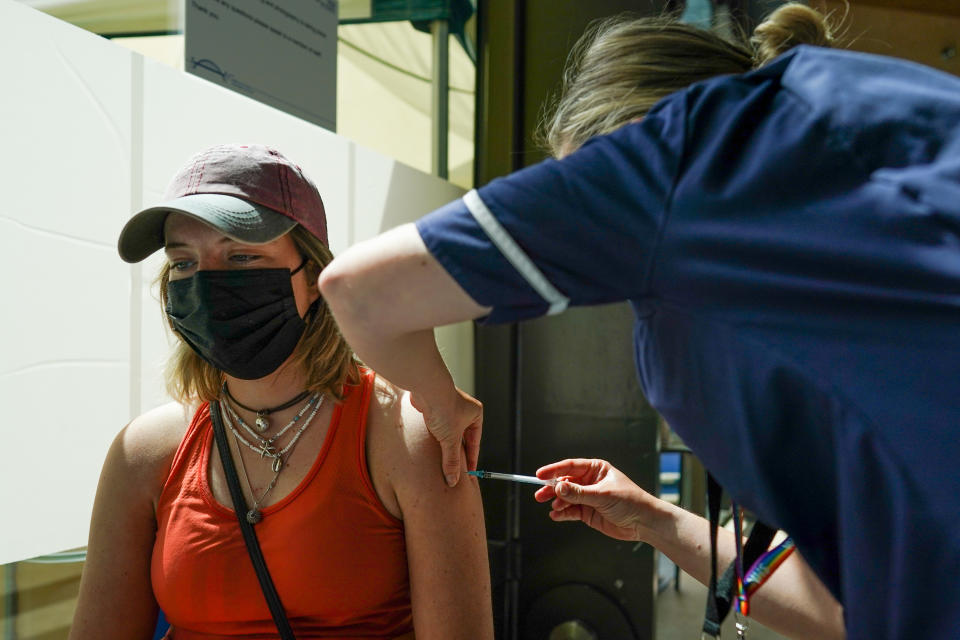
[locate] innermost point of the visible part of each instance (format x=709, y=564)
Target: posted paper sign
x=280, y=52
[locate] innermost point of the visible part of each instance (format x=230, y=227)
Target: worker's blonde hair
x=327, y=360
x=624, y=65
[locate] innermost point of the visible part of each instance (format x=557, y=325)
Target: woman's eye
x=243, y=258
x=181, y=265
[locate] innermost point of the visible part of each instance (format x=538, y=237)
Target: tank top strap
x=187, y=460
x=349, y=462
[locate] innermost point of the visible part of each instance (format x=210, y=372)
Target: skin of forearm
x=792, y=602
x=408, y=358
x=411, y=361
x=387, y=294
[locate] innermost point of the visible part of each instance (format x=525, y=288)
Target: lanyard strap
x=712, y=618
x=743, y=602
x=766, y=564
x=720, y=593
x=249, y=535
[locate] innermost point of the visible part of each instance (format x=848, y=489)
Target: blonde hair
x=326, y=358
x=624, y=65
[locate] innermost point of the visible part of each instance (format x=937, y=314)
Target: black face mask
x=244, y=321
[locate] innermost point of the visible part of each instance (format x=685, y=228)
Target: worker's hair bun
x=790, y=25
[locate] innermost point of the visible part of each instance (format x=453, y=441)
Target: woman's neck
x=270, y=404
x=274, y=390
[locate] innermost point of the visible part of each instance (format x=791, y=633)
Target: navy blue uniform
x=790, y=242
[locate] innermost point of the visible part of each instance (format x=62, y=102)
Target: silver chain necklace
x=266, y=448
x=266, y=444
x=254, y=515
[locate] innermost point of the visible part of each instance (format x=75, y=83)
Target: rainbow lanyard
x=736, y=585
x=761, y=570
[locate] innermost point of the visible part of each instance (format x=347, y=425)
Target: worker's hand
x=597, y=493
x=456, y=423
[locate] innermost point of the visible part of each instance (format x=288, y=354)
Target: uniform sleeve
x=578, y=231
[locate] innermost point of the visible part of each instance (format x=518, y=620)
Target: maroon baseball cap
x=252, y=193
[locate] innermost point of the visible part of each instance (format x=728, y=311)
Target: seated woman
x=362, y=536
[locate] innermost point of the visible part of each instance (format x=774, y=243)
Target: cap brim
x=236, y=218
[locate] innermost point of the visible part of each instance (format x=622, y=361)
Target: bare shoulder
x=143, y=450
x=156, y=434
x=116, y=575
x=443, y=526
x=404, y=463
x=395, y=425
x=402, y=456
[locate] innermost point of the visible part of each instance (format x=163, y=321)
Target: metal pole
x=440, y=103
x=515, y=544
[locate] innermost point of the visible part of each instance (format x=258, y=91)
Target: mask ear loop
x=312, y=309
x=300, y=268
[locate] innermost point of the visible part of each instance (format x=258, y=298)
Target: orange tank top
x=336, y=555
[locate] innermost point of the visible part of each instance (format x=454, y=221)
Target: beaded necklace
x=265, y=446
x=254, y=515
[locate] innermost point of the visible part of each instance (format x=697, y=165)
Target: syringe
x=513, y=477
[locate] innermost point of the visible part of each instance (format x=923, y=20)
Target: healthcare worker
x=787, y=231
x=792, y=601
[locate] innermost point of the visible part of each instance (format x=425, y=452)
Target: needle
x=512, y=476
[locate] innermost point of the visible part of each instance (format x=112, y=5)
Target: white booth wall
x=91, y=132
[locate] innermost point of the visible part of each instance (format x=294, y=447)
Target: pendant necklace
x=261, y=421
x=254, y=515
x=265, y=446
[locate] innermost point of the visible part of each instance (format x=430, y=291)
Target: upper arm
x=797, y=604
x=578, y=231
x=372, y=272
x=116, y=598
x=445, y=535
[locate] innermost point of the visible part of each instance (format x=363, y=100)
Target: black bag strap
x=249, y=535
x=712, y=617
x=720, y=594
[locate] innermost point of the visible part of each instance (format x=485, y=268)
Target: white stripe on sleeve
x=514, y=254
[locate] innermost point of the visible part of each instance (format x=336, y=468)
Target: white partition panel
x=389, y=194
x=91, y=132
x=65, y=178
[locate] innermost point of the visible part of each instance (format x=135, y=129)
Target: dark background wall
x=557, y=387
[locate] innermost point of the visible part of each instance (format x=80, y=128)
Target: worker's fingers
x=471, y=442
x=451, y=449
x=544, y=494
x=584, y=470
x=571, y=512
x=579, y=494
